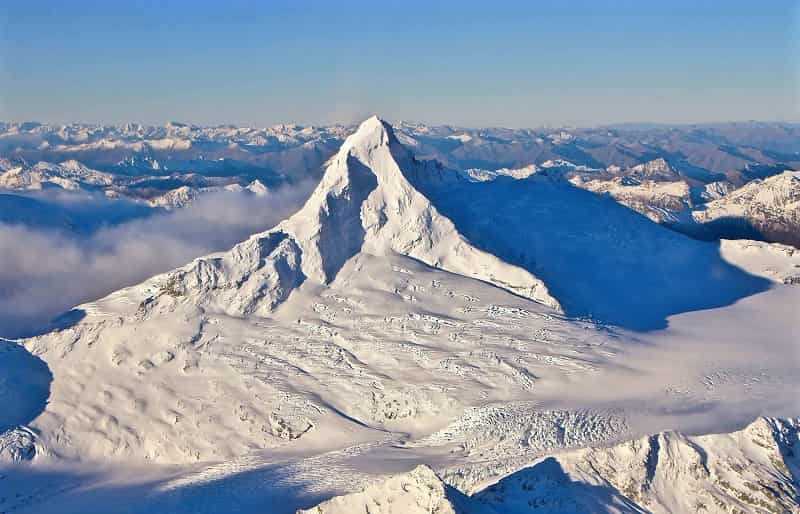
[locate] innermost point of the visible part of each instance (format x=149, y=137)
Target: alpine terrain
x=423, y=337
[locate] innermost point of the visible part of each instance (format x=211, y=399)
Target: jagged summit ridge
x=366, y=202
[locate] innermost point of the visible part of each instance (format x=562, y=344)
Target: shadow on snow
x=24, y=385
x=600, y=259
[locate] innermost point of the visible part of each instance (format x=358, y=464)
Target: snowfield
x=745, y=471
x=421, y=339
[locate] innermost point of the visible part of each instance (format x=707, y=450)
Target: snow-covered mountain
x=763, y=209
x=662, y=202
x=657, y=170
x=661, y=172
x=412, y=313
x=653, y=188
x=165, y=191
x=133, y=149
x=70, y=175
x=420, y=491
x=752, y=470
x=185, y=195
x=738, y=152
x=366, y=202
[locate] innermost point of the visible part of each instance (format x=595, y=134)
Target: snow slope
x=419, y=491
x=598, y=258
x=773, y=261
x=390, y=322
x=751, y=470
x=368, y=244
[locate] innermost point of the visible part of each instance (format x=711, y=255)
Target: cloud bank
x=46, y=270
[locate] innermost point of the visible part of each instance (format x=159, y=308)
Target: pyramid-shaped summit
x=365, y=202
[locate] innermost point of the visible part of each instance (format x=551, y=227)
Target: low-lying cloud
x=47, y=271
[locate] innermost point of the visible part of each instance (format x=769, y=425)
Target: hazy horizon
x=356, y=122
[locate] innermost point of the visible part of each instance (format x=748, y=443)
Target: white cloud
x=45, y=272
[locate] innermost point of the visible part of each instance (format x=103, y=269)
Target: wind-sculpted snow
x=500, y=438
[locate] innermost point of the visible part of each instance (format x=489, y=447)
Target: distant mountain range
x=676, y=175
x=736, y=151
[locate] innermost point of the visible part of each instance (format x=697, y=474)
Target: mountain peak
x=367, y=202
x=371, y=133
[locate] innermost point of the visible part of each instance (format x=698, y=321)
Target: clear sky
x=474, y=63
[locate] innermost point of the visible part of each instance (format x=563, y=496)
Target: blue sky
x=509, y=63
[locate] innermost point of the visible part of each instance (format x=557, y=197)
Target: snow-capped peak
x=372, y=133
x=366, y=202
x=657, y=169
x=770, y=207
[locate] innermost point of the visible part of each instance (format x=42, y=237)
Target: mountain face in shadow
x=24, y=387
x=599, y=259
x=545, y=486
